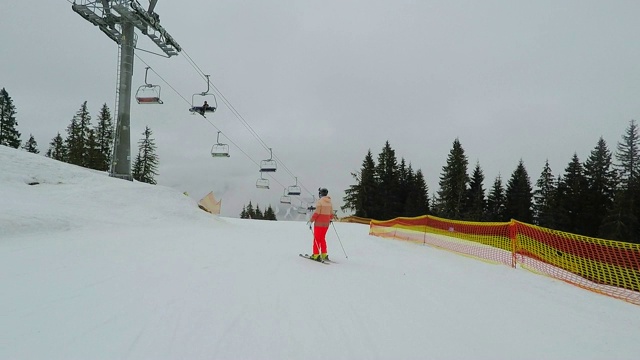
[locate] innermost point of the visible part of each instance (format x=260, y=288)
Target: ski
x=307, y=256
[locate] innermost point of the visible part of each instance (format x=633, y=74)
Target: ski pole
x=340, y=241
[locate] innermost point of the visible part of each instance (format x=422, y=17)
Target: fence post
x=513, y=235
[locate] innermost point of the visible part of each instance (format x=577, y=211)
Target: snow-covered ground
x=93, y=267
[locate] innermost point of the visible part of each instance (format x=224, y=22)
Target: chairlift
x=302, y=210
x=294, y=189
x=268, y=165
x=148, y=93
x=219, y=149
x=262, y=183
x=203, y=102
x=285, y=199
x=312, y=206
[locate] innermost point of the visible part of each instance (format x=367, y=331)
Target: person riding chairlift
x=204, y=108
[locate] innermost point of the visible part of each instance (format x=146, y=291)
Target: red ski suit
x=321, y=219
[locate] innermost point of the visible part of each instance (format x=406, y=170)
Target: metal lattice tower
x=118, y=19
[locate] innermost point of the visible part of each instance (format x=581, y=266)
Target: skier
x=205, y=106
x=321, y=219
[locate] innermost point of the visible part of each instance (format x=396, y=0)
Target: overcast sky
x=322, y=82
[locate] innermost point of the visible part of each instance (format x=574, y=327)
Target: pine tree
x=496, y=201
x=145, y=166
x=405, y=177
x=269, y=214
x=453, y=183
x=251, y=214
x=361, y=196
x=259, y=214
x=420, y=194
x=600, y=187
x=570, y=196
x=136, y=167
x=543, y=198
x=475, y=205
x=628, y=155
x=388, y=184
x=31, y=145
x=77, y=137
x=104, y=133
x=519, y=195
x=621, y=222
x=9, y=134
x=417, y=198
x=94, y=158
x=243, y=213
x=57, y=150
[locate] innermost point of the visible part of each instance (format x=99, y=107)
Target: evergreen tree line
x=387, y=189
x=249, y=212
x=85, y=145
x=597, y=197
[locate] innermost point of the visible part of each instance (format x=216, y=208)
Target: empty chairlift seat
x=262, y=183
x=268, y=165
x=148, y=93
x=294, y=190
x=219, y=149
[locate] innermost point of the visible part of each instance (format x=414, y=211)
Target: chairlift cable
x=241, y=118
x=188, y=102
x=236, y=113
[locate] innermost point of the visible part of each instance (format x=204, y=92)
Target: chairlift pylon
x=203, y=102
x=219, y=149
x=294, y=190
x=268, y=165
x=148, y=93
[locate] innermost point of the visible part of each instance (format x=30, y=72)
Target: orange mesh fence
x=486, y=241
x=604, y=266
x=356, y=219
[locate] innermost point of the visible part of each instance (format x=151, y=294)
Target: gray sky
x=322, y=82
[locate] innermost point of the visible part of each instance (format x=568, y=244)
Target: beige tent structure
x=209, y=204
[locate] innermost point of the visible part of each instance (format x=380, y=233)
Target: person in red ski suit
x=321, y=219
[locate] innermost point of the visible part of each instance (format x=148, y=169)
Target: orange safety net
x=487, y=241
x=604, y=266
x=356, y=219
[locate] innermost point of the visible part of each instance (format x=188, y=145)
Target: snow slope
x=93, y=267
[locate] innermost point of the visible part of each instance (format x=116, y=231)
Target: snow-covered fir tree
x=31, y=145
x=76, y=142
x=104, y=132
x=9, y=134
x=145, y=166
x=57, y=150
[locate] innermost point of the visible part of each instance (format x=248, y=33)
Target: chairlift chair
x=148, y=93
x=268, y=165
x=219, y=149
x=312, y=207
x=294, y=190
x=203, y=102
x=262, y=183
x=285, y=199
